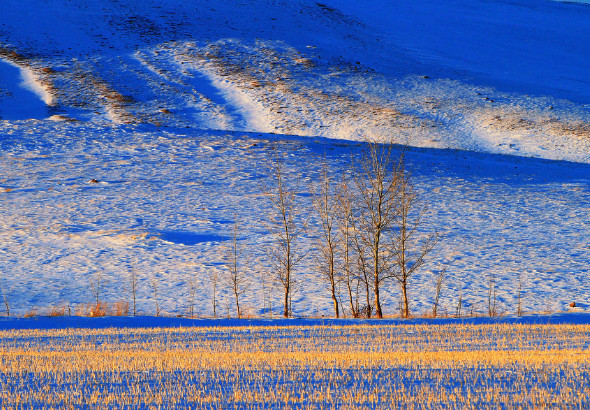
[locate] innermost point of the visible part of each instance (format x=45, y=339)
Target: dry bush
x=120, y=308
x=62, y=310
x=95, y=309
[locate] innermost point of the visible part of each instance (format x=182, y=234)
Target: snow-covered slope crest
x=315, y=69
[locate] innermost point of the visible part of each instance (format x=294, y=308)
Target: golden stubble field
x=364, y=366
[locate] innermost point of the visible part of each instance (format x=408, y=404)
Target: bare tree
x=133, y=279
x=155, y=287
x=329, y=238
x=377, y=185
x=96, y=285
x=346, y=228
x=213, y=275
x=192, y=296
x=439, y=283
x=411, y=249
x=519, y=310
x=235, y=276
x=5, y=298
x=284, y=255
x=492, y=295
x=460, y=304
x=356, y=255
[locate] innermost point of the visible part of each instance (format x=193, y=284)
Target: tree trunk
x=336, y=309
x=376, y=273
x=406, y=311
x=286, y=310
x=368, y=299
x=353, y=309
x=351, y=299
x=378, y=311
x=238, y=306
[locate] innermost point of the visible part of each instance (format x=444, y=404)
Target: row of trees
x=369, y=233
x=370, y=221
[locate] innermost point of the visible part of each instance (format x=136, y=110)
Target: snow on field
x=173, y=107
x=165, y=203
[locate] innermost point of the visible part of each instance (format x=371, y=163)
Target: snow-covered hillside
x=173, y=106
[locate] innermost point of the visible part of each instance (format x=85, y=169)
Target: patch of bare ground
x=272, y=78
x=74, y=86
x=504, y=120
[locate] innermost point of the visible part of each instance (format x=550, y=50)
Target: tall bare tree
x=286, y=228
x=329, y=238
x=411, y=248
x=377, y=185
x=235, y=276
x=356, y=256
x=364, y=273
x=346, y=228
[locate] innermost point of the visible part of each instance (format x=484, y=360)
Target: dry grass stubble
x=302, y=367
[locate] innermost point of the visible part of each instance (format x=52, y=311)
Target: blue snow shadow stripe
x=79, y=322
x=188, y=238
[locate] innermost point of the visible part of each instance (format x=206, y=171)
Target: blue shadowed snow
x=189, y=238
x=65, y=322
x=527, y=46
x=16, y=101
x=574, y=1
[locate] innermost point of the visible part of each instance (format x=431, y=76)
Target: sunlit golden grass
x=422, y=366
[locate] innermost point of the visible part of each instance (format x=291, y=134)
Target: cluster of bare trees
x=368, y=234
x=369, y=230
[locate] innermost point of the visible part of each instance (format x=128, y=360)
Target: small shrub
x=96, y=309
x=55, y=311
x=365, y=312
x=120, y=308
